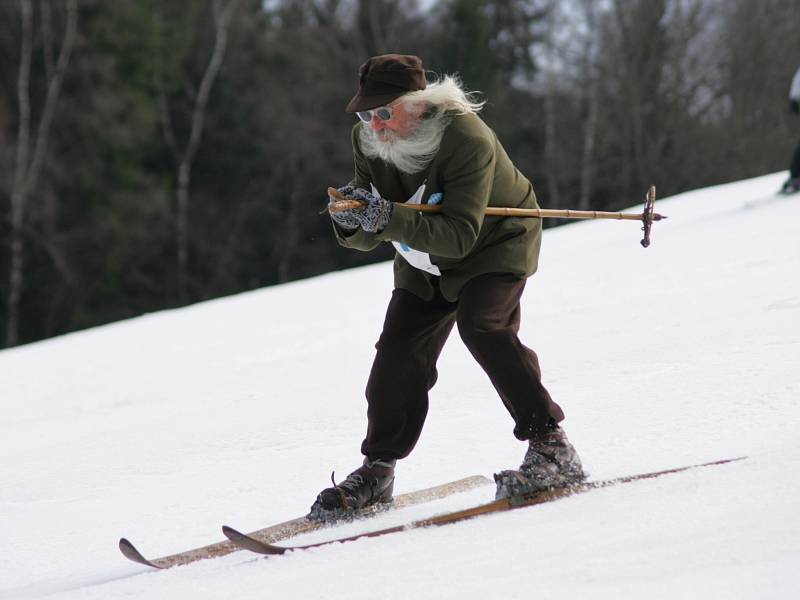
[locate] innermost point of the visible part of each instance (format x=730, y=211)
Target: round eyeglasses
x=384, y=113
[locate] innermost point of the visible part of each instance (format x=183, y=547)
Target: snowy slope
x=235, y=411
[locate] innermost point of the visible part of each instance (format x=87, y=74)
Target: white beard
x=410, y=154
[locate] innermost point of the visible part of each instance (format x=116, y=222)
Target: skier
x=792, y=184
x=420, y=142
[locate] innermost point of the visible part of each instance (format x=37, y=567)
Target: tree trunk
x=590, y=128
x=26, y=173
x=184, y=175
x=550, y=142
x=587, y=161
x=19, y=193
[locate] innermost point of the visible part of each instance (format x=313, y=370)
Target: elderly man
x=419, y=142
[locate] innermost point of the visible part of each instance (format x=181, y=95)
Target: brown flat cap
x=385, y=78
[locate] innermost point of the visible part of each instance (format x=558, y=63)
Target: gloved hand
x=345, y=218
x=372, y=217
x=794, y=106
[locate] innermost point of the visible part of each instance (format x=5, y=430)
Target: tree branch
x=221, y=18
x=19, y=191
x=23, y=98
x=53, y=91
x=47, y=38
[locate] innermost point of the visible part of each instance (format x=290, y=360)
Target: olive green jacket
x=470, y=172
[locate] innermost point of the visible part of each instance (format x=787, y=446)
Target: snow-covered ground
x=235, y=411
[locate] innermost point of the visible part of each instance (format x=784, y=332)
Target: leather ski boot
x=370, y=484
x=550, y=462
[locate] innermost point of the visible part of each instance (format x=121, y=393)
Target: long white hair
x=447, y=94
x=442, y=99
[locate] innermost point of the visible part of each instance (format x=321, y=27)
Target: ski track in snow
x=163, y=427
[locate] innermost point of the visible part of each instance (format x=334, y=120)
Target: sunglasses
x=384, y=113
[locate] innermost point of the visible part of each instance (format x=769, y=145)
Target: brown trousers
x=414, y=333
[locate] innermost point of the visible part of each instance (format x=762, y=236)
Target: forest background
x=156, y=153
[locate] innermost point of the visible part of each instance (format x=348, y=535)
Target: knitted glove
x=345, y=219
x=372, y=217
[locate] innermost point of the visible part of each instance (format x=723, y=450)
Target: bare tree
x=551, y=58
x=590, y=14
x=381, y=23
x=185, y=157
x=759, y=52
x=551, y=139
x=28, y=166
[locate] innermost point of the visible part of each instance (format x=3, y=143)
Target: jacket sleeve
x=466, y=185
x=358, y=239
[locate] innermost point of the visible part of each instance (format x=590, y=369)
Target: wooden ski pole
x=340, y=203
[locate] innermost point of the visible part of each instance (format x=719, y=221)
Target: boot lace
x=351, y=483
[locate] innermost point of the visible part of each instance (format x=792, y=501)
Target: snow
x=235, y=411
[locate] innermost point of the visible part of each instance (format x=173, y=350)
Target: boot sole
x=516, y=483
